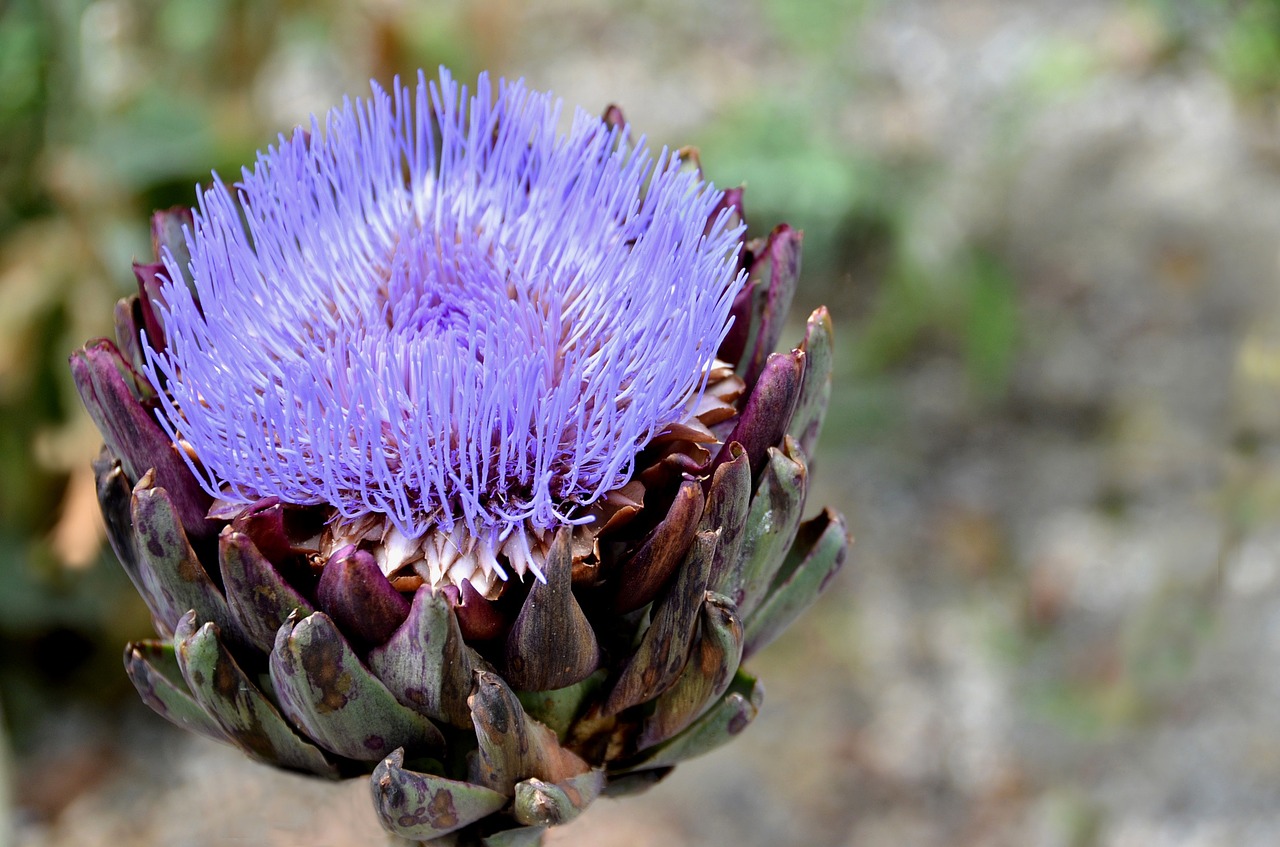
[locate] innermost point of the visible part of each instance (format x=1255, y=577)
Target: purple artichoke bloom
x=478, y=332
x=450, y=446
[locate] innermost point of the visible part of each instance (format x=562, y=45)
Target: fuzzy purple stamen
x=439, y=308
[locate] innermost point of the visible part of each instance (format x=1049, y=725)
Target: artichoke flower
x=452, y=449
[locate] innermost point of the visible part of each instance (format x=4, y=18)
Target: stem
x=467, y=837
x=6, y=822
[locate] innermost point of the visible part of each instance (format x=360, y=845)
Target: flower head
x=437, y=308
x=427, y=342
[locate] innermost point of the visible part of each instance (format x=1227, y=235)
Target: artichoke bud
x=455, y=451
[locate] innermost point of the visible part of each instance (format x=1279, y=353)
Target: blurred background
x=1049, y=234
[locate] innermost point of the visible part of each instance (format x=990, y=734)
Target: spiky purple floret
x=484, y=325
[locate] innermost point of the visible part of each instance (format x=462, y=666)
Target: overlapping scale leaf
x=818, y=553
x=115, y=499
x=426, y=664
x=815, y=391
x=644, y=574
x=635, y=782
x=706, y=676
x=324, y=688
x=513, y=746
x=771, y=526
x=260, y=599
x=423, y=806
x=128, y=325
x=359, y=599
x=764, y=419
x=180, y=579
x=719, y=725
x=108, y=387
x=728, y=507
x=559, y=707
x=551, y=644
x=778, y=262
x=153, y=669
x=230, y=697
x=525, y=836
x=542, y=803
x=664, y=648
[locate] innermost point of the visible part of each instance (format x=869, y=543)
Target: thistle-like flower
x=450, y=446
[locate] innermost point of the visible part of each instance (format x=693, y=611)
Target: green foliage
x=1241, y=38
x=971, y=307
x=155, y=139
x=815, y=26
x=991, y=322
x=1250, y=50
x=1061, y=66
x=25, y=44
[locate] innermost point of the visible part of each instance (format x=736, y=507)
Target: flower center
x=445, y=315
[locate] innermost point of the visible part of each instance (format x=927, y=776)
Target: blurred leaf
x=37, y=592
x=192, y=26
x=770, y=145
x=904, y=308
x=28, y=494
x=1060, y=67
x=971, y=303
x=815, y=25
x=1165, y=636
x=793, y=168
x=866, y=408
x=435, y=33
x=992, y=329
x=1086, y=710
x=1076, y=817
x=1250, y=52
x=1240, y=37
x=157, y=138
x=20, y=57
x=24, y=49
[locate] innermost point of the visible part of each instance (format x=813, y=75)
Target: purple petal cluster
x=439, y=308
